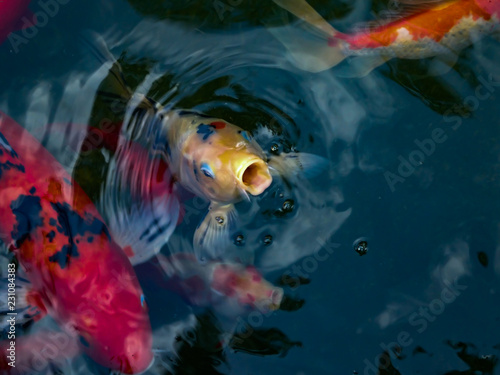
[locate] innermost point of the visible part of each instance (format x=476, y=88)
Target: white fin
x=142, y=228
x=298, y=164
x=302, y=10
x=308, y=52
x=213, y=235
x=359, y=66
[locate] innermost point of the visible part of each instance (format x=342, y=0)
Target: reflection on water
x=425, y=292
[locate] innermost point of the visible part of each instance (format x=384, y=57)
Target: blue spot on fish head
x=205, y=130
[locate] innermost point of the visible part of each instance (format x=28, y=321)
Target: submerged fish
x=83, y=279
x=78, y=274
x=228, y=287
x=12, y=13
x=207, y=156
x=440, y=31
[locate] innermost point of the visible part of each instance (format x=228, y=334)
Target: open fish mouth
x=254, y=176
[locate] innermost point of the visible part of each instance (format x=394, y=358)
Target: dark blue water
x=414, y=171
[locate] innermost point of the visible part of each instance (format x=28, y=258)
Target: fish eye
x=207, y=171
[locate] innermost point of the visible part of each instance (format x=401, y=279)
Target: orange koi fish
x=78, y=274
x=441, y=31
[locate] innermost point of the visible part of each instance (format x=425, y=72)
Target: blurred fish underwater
x=410, y=183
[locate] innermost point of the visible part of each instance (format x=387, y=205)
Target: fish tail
x=308, y=51
x=311, y=50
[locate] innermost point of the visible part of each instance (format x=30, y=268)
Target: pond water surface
x=425, y=292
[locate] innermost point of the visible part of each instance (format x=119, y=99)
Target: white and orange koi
x=441, y=31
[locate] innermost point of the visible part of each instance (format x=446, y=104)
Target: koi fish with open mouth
x=440, y=31
x=207, y=156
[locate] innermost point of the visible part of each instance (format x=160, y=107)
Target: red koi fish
x=11, y=14
x=441, y=32
x=78, y=274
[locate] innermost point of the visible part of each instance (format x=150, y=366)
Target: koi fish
x=207, y=156
x=11, y=14
x=78, y=274
x=227, y=286
x=441, y=31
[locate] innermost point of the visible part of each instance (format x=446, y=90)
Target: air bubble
x=361, y=246
x=268, y=240
x=239, y=240
x=288, y=205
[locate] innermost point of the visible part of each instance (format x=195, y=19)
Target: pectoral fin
x=213, y=235
x=142, y=229
x=298, y=164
